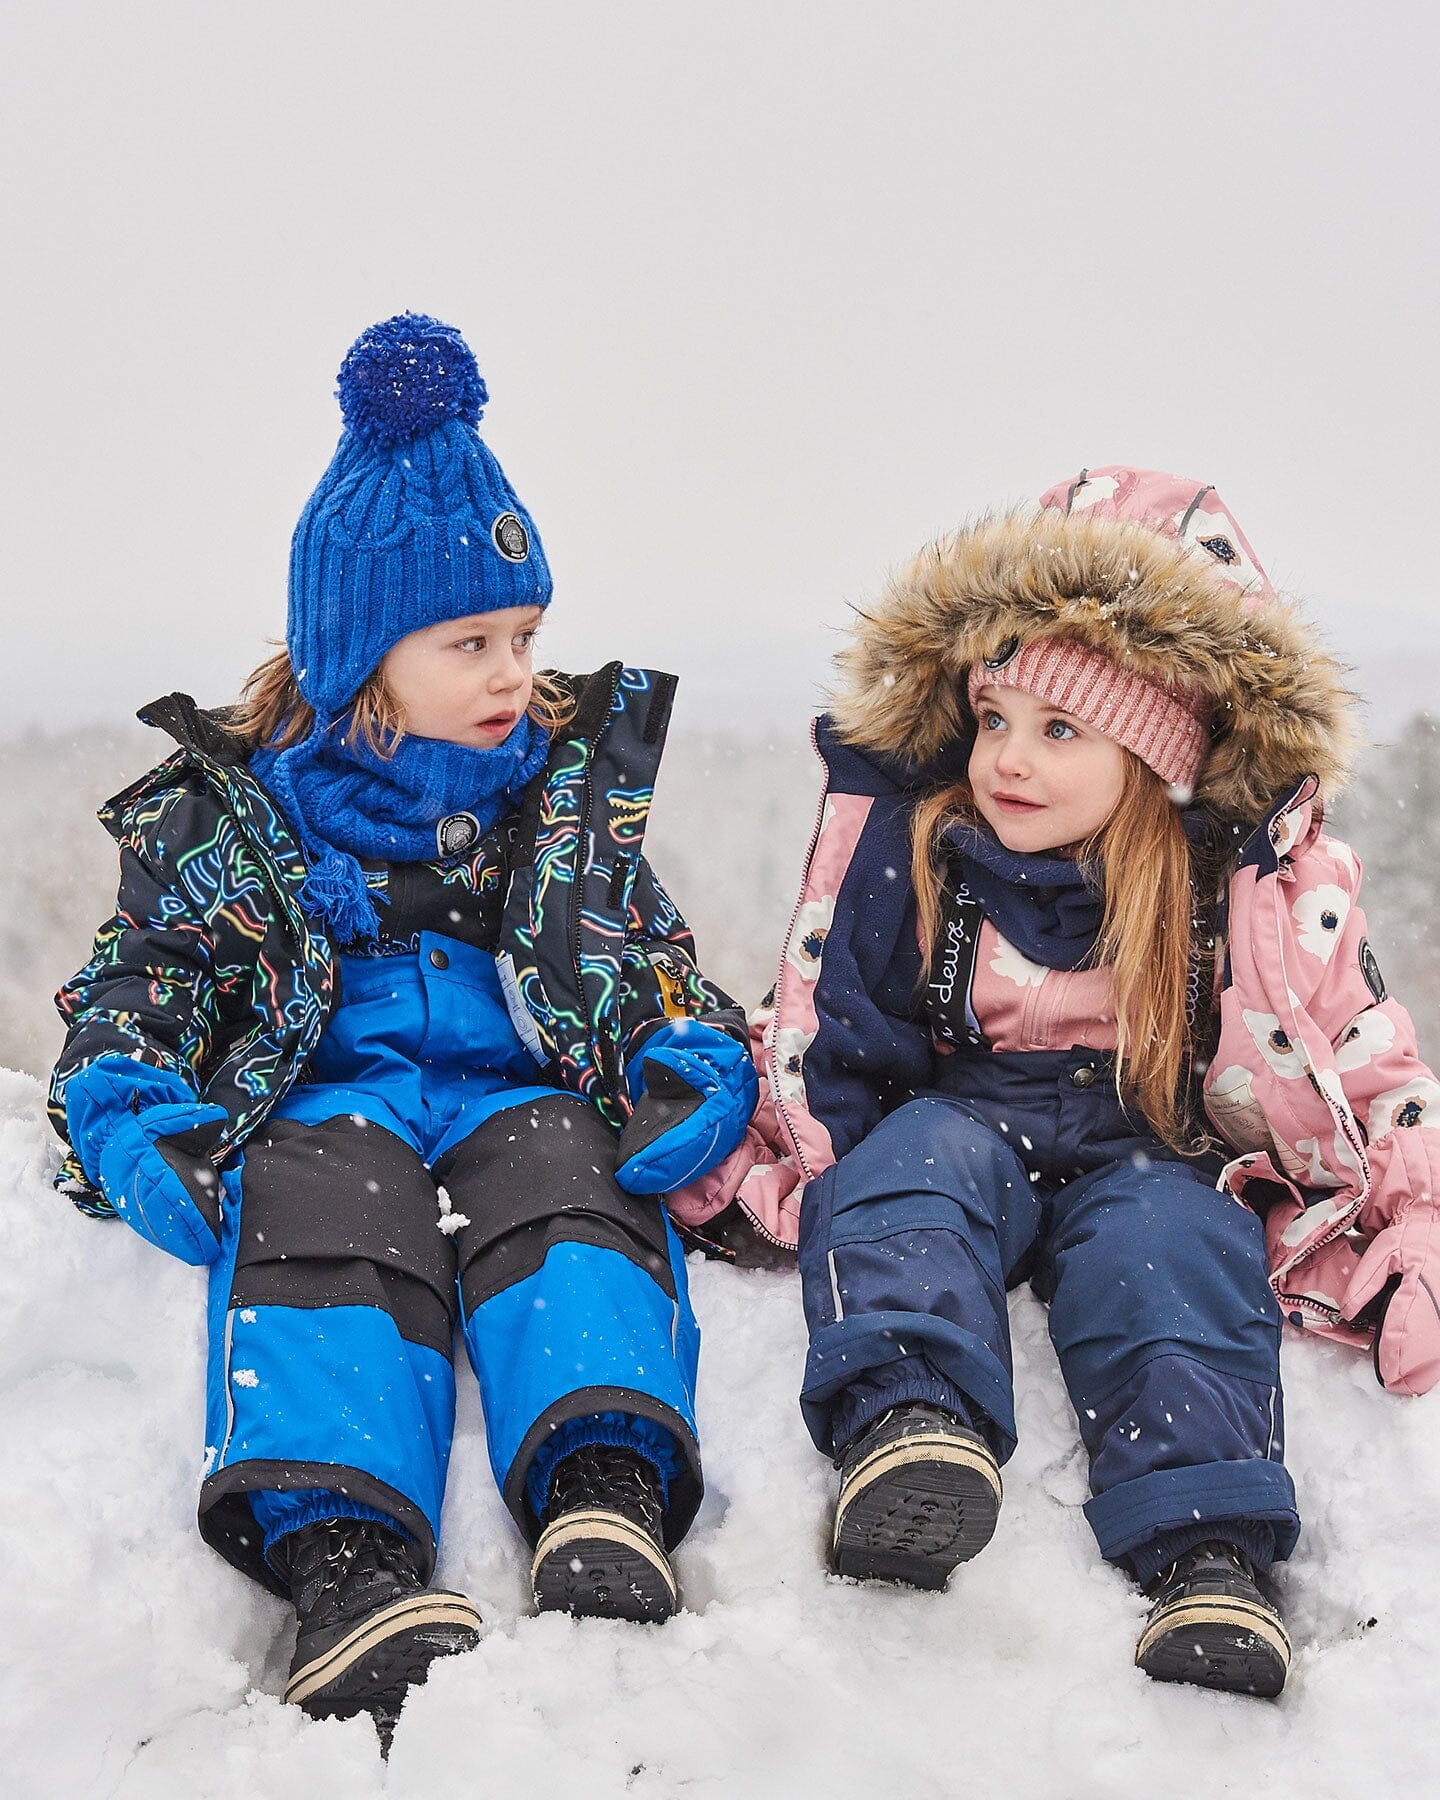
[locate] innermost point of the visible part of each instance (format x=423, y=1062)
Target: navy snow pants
x=341, y=1281
x=1160, y=1309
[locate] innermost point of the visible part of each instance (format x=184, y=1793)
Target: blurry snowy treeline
x=731, y=821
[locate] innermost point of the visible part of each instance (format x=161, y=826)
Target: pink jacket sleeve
x=1396, y=1099
x=1351, y=1110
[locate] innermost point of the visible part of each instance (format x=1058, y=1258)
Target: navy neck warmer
x=1048, y=907
x=344, y=802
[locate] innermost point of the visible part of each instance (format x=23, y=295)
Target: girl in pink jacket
x=1077, y=991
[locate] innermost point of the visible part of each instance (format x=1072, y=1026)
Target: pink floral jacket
x=1316, y=1084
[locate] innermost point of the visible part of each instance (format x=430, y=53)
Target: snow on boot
x=1212, y=1626
x=369, y=1628
x=601, y=1553
x=919, y=1494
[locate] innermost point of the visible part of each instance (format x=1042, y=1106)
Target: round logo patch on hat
x=1003, y=655
x=510, y=538
x=457, y=833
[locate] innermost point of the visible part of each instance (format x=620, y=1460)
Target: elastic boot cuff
x=279, y=1512
x=621, y=1431
x=859, y=1407
x=1254, y=1536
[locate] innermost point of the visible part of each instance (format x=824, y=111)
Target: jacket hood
x=1148, y=569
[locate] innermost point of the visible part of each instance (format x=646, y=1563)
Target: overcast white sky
x=765, y=296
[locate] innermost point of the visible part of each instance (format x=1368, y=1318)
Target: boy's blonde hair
x=273, y=713
x=1149, y=934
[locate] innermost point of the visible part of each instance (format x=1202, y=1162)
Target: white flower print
x=790, y=1047
x=1314, y=1218
x=1344, y=856
x=1413, y=1104
x=1273, y=1043
x=1309, y=1164
x=1332, y=1087
x=1320, y=1299
x=807, y=940
x=1236, y=566
x=1320, y=915
x=1343, y=1156
x=1008, y=963
x=1286, y=829
x=1367, y=1036
x=1092, y=491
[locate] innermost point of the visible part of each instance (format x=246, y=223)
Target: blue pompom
x=405, y=376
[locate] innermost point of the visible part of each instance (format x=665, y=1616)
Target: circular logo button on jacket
x=457, y=833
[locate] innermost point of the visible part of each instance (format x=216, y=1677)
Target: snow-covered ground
x=134, y=1663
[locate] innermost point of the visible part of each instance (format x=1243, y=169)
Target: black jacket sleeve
x=660, y=977
x=147, y=989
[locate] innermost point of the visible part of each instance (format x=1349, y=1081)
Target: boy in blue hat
x=395, y=1029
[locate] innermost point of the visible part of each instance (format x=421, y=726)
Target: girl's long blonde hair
x=273, y=712
x=1148, y=934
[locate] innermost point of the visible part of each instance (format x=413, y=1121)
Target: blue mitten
x=698, y=1090
x=142, y=1134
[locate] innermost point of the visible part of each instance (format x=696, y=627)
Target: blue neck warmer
x=344, y=802
x=1048, y=907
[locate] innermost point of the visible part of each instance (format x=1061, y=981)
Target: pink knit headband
x=1158, y=726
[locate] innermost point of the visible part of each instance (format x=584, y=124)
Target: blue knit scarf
x=1049, y=907
x=343, y=801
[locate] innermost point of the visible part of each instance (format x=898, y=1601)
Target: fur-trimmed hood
x=1145, y=568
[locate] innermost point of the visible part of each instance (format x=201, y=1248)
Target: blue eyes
x=1058, y=731
x=522, y=642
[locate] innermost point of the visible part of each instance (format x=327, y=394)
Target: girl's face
x=1041, y=780
x=467, y=681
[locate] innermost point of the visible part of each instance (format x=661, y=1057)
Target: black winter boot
x=1211, y=1625
x=919, y=1494
x=369, y=1628
x=601, y=1554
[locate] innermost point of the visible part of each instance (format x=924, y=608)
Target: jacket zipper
x=605, y=1054
x=760, y=1230
x=771, y=1065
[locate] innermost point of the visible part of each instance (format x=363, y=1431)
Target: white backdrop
x=765, y=294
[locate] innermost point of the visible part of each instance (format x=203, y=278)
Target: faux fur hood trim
x=1278, y=706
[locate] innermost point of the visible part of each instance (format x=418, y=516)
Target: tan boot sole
x=413, y=1614
x=914, y=1510
x=1213, y=1640
x=600, y=1564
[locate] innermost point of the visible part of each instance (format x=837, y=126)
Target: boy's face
x=467, y=681
x=1042, y=780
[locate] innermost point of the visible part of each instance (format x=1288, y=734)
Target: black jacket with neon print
x=210, y=966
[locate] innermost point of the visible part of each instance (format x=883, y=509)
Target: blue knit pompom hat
x=413, y=523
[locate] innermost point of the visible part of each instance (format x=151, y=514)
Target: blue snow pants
x=1160, y=1309
x=421, y=1179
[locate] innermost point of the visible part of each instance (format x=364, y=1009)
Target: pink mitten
x=1397, y=1289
